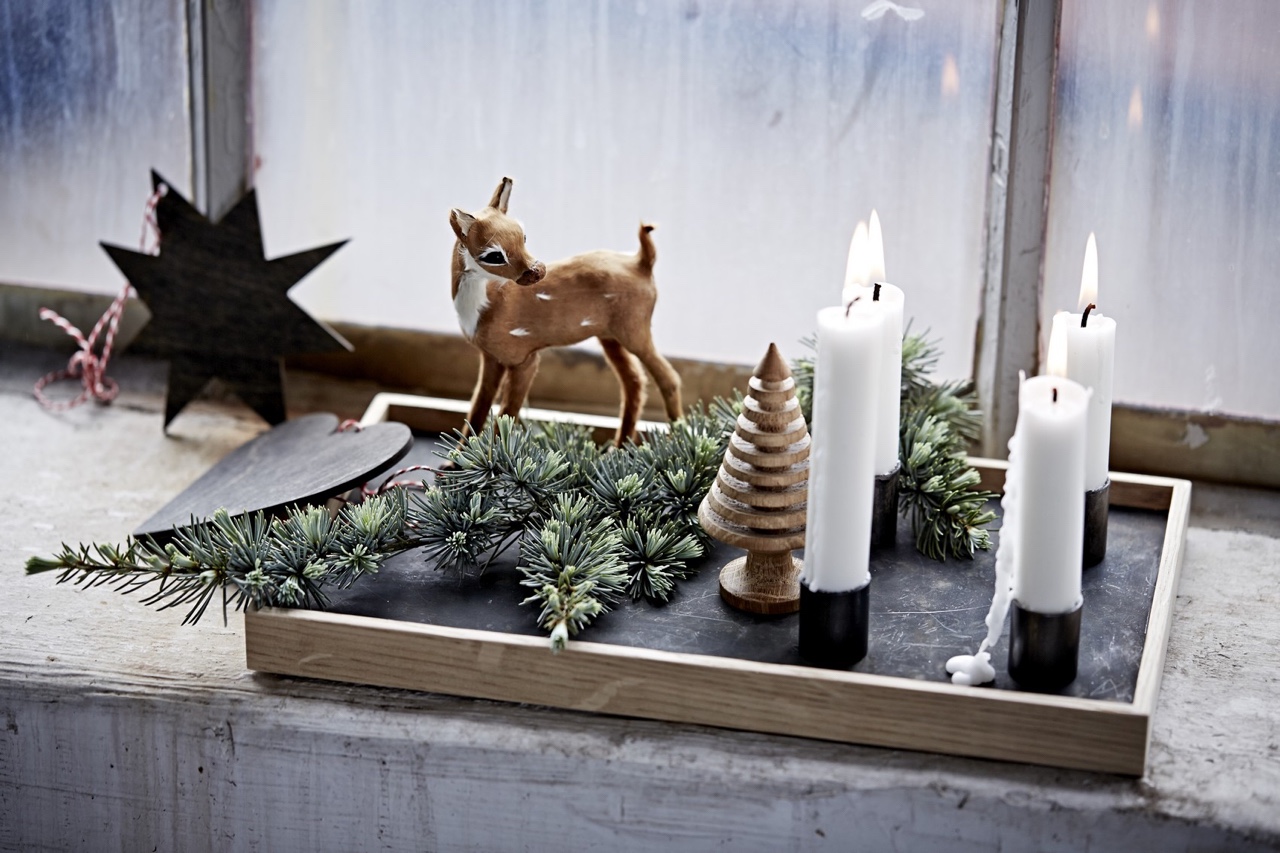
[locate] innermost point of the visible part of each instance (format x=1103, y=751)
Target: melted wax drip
x=976, y=668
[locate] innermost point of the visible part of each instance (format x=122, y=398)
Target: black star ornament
x=219, y=308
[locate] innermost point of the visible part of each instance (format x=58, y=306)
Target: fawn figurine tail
x=647, y=254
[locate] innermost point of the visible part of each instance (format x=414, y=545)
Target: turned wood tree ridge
x=760, y=497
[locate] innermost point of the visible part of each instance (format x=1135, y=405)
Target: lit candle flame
x=1057, y=356
x=1089, y=276
x=875, y=242
x=857, y=273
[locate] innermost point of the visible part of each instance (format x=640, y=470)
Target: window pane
x=1167, y=145
x=92, y=97
x=755, y=134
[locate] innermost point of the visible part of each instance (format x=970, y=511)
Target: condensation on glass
x=1167, y=144
x=755, y=134
x=92, y=97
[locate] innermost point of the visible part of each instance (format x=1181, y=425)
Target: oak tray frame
x=851, y=707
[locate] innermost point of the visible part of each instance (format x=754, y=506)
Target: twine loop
x=86, y=365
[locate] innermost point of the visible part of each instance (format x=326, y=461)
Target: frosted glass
x=93, y=95
x=1168, y=146
x=755, y=134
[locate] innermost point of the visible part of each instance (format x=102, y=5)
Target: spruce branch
x=656, y=557
x=247, y=559
x=458, y=526
x=505, y=460
x=939, y=491
x=574, y=565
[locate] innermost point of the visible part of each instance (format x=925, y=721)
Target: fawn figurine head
x=493, y=242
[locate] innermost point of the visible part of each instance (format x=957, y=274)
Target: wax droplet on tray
x=971, y=669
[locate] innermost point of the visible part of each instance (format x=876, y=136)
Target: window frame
x=1145, y=439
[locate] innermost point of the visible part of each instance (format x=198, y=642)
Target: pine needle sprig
x=574, y=565
x=656, y=557
x=458, y=526
x=684, y=462
x=954, y=401
x=575, y=443
x=246, y=559
x=505, y=460
x=621, y=484
x=939, y=492
x=802, y=370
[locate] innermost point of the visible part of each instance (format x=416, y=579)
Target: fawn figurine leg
x=631, y=380
x=491, y=373
x=666, y=378
x=519, y=378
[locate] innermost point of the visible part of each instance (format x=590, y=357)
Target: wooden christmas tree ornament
x=759, y=499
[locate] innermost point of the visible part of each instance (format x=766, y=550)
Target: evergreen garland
x=591, y=525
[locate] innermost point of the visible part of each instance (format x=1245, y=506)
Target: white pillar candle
x=1082, y=347
x=841, y=458
x=1049, y=440
x=864, y=281
x=1043, y=574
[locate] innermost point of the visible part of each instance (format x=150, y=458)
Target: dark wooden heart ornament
x=303, y=461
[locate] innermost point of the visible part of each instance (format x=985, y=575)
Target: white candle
x=1048, y=470
x=864, y=280
x=841, y=458
x=1038, y=561
x=1085, y=351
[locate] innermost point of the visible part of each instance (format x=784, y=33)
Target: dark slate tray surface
x=922, y=612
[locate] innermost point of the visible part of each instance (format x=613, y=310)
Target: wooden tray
x=713, y=689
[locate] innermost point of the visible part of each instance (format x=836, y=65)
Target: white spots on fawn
x=520, y=333
x=546, y=297
x=586, y=322
x=610, y=295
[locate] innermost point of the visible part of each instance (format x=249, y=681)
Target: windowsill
x=159, y=725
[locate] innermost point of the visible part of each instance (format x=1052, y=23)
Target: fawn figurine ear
x=501, y=196
x=461, y=222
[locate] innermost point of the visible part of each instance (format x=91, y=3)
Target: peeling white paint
x=1195, y=436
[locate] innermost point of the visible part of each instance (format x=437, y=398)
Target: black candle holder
x=1097, y=506
x=834, y=626
x=1044, y=648
x=884, y=509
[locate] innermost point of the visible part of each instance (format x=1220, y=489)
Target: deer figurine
x=511, y=307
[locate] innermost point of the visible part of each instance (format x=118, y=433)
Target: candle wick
x=875, y=296
x=849, y=307
x=1055, y=395
x=1084, y=319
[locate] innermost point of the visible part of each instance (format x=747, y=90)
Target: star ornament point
x=219, y=308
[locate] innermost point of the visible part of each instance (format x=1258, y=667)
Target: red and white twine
x=85, y=365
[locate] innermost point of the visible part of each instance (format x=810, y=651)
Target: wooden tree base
x=767, y=583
